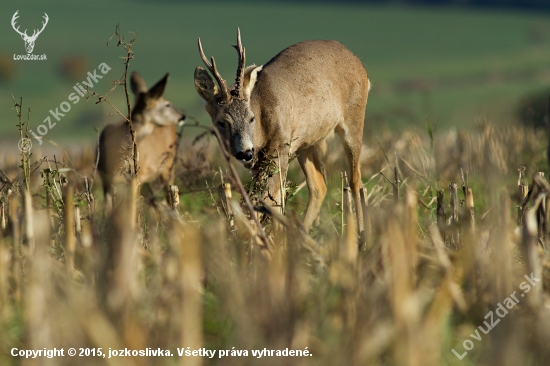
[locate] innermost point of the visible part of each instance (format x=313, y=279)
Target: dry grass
x=147, y=277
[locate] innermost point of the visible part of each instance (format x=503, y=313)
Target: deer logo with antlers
x=29, y=40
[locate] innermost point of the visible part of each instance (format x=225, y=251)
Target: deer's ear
x=250, y=77
x=158, y=89
x=204, y=84
x=137, y=84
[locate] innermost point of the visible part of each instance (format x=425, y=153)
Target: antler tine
x=46, y=18
x=13, y=19
x=203, y=57
x=36, y=31
x=214, y=70
x=238, y=91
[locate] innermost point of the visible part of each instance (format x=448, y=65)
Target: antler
x=34, y=35
x=238, y=91
x=213, y=69
x=15, y=16
x=24, y=34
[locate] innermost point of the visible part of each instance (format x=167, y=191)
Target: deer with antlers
x=29, y=40
x=291, y=105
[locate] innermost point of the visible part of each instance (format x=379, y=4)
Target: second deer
x=154, y=120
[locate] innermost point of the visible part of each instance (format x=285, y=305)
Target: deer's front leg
x=276, y=182
x=311, y=163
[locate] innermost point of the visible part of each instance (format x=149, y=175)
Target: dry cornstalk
x=503, y=256
x=69, y=222
x=399, y=277
x=225, y=196
x=411, y=241
x=4, y=271
x=396, y=185
x=548, y=127
x=522, y=190
x=16, y=265
x=188, y=240
x=174, y=198
x=132, y=205
x=39, y=291
x=530, y=251
x=90, y=200
x=453, y=220
x=3, y=215
x=28, y=237
x=470, y=205
x=77, y=226
x=541, y=209
x=367, y=231
x=86, y=236
x=440, y=212
x=348, y=206
x=49, y=210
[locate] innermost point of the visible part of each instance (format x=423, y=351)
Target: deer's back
x=309, y=86
x=156, y=153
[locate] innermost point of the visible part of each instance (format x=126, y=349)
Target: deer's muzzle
x=245, y=156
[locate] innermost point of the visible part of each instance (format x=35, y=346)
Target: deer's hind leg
x=311, y=163
x=352, y=139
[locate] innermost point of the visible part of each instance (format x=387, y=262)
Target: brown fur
x=299, y=98
x=154, y=120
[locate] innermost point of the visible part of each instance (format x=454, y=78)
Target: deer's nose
x=182, y=120
x=246, y=155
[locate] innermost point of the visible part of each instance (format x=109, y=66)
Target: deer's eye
x=221, y=125
x=252, y=120
x=167, y=105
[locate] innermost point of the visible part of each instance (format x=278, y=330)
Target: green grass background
x=461, y=63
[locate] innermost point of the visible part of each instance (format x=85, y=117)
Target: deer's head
x=151, y=109
x=229, y=108
x=29, y=40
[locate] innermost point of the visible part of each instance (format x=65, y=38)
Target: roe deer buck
x=290, y=105
x=154, y=120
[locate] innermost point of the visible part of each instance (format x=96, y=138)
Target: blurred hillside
x=514, y=4
x=452, y=65
x=518, y=4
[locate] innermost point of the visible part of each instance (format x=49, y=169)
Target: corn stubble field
x=444, y=245
x=151, y=277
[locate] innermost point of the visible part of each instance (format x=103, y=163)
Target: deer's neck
x=142, y=127
x=259, y=128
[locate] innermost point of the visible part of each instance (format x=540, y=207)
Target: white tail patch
x=369, y=84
